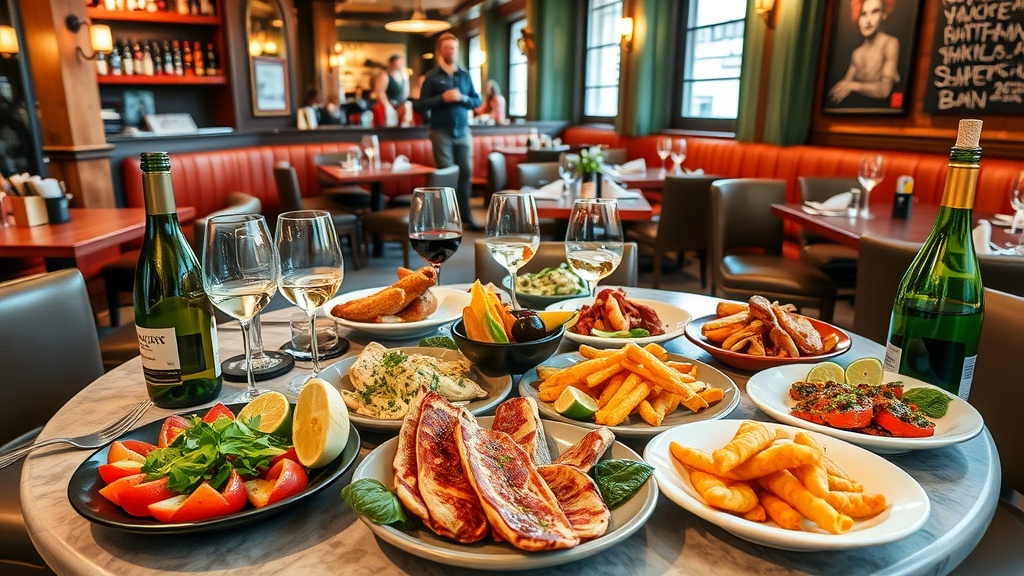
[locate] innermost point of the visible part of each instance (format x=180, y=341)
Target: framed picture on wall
x=870, y=57
x=269, y=87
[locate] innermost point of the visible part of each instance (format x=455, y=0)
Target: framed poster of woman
x=870, y=56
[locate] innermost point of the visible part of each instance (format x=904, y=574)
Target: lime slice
x=320, y=426
x=576, y=404
x=274, y=411
x=865, y=371
x=826, y=372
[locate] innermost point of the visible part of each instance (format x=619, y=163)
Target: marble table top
x=324, y=535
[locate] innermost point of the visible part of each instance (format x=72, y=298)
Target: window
x=476, y=62
x=712, y=59
x=517, y=71
x=601, y=76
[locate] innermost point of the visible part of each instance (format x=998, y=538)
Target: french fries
x=630, y=380
x=781, y=479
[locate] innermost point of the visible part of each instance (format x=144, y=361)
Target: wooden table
x=848, y=231
x=375, y=177
x=629, y=208
x=90, y=230
x=649, y=179
x=324, y=535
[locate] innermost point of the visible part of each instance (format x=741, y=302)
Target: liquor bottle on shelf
x=206, y=8
x=937, y=315
x=186, y=59
x=193, y=7
x=173, y=316
x=211, y=61
x=115, y=61
x=102, y=68
x=182, y=6
x=147, y=60
x=168, y=59
x=158, y=59
x=197, y=59
x=179, y=66
x=131, y=5
x=137, y=55
x=151, y=6
x=127, y=59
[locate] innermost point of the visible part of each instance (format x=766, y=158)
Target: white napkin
x=551, y=191
x=400, y=164
x=1018, y=220
x=697, y=172
x=836, y=203
x=610, y=189
x=18, y=182
x=48, y=188
x=982, y=235
x=637, y=166
x=1003, y=219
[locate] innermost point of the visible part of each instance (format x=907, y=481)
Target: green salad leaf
x=618, y=480
x=372, y=499
x=932, y=403
x=439, y=342
x=634, y=333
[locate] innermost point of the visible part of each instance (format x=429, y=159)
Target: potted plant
x=591, y=160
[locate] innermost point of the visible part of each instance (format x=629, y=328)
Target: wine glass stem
x=593, y=287
x=313, y=352
x=251, y=389
x=512, y=289
x=437, y=273
x=865, y=211
x=257, y=339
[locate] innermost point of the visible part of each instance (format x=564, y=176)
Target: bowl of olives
x=534, y=343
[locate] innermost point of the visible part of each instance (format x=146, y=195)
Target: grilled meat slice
x=452, y=503
x=579, y=499
x=405, y=460
x=519, y=505
x=588, y=451
x=520, y=419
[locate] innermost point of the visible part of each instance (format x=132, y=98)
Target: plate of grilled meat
x=612, y=319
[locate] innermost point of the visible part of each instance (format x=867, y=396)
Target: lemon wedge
x=320, y=424
x=274, y=411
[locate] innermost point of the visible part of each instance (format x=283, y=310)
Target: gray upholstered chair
x=351, y=196
x=544, y=154
x=746, y=249
x=549, y=255
x=537, y=174
x=836, y=260
x=38, y=378
x=615, y=155
x=684, y=223
x=497, y=175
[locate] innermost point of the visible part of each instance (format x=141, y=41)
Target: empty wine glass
x=240, y=275
x=568, y=169
x=513, y=232
x=371, y=147
x=1017, y=202
x=870, y=173
x=310, y=270
x=679, y=154
x=435, y=226
x=664, y=149
x=593, y=242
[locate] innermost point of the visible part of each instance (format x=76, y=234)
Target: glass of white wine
x=593, y=241
x=240, y=275
x=513, y=232
x=679, y=154
x=310, y=270
x=371, y=147
x=664, y=150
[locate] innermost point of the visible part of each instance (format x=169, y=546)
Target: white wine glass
x=679, y=154
x=371, y=147
x=240, y=275
x=310, y=270
x=435, y=226
x=593, y=241
x=568, y=169
x=870, y=173
x=513, y=232
x=664, y=150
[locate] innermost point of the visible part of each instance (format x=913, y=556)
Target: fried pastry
x=800, y=329
x=389, y=301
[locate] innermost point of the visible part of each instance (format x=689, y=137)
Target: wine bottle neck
x=962, y=178
x=158, y=193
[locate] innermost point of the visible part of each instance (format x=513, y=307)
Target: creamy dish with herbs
x=385, y=381
x=551, y=282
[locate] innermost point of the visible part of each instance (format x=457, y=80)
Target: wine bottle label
x=932, y=370
x=160, y=360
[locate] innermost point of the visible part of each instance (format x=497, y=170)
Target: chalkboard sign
x=977, y=58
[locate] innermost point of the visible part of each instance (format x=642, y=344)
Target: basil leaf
x=439, y=342
x=618, y=480
x=370, y=498
x=930, y=402
x=639, y=333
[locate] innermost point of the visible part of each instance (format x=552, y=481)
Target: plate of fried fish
x=379, y=383
x=760, y=334
x=467, y=515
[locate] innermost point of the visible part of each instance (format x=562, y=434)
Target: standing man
x=448, y=95
x=392, y=89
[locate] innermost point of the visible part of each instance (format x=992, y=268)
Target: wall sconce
x=336, y=59
x=8, y=41
x=527, y=45
x=626, y=31
x=766, y=10
x=100, y=38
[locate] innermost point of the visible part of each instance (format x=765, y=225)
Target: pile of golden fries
x=758, y=476
x=628, y=380
x=763, y=328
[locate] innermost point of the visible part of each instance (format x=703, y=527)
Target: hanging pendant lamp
x=418, y=23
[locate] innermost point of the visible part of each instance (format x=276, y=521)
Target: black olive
x=528, y=327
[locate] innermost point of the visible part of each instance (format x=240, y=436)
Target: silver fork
x=95, y=440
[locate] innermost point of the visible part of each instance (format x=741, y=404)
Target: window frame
x=469, y=60
x=585, y=48
x=517, y=59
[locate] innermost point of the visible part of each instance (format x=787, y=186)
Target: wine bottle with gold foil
x=173, y=316
x=937, y=315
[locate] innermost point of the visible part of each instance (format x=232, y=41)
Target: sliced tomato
x=903, y=422
x=126, y=451
x=849, y=418
x=809, y=416
x=173, y=427
x=286, y=478
x=136, y=500
x=139, y=447
x=218, y=411
x=205, y=502
x=119, y=469
x=289, y=454
x=114, y=490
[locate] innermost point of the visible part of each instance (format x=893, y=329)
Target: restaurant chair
x=50, y=353
x=537, y=174
x=998, y=392
x=837, y=260
x=746, y=249
x=544, y=154
x=497, y=175
x=351, y=196
x=684, y=224
x=119, y=275
x=346, y=224
x=550, y=255
x=439, y=178
x=393, y=223
x=614, y=156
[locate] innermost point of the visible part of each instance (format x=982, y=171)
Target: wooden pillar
x=325, y=34
x=69, y=101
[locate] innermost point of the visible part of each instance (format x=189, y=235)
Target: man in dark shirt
x=448, y=95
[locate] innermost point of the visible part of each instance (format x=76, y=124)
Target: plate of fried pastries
x=450, y=303
x=762, y=334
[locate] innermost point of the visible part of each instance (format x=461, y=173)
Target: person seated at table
x=309, y=114
x=493, y=107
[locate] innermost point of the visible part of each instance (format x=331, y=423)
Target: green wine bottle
x=936, y=318
x=173, y=316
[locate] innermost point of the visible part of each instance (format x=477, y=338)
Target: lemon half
x=320, y=425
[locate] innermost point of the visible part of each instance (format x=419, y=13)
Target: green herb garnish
x=634, y=333
x=439, y=342
x=393, y=359
x=372, y=499
x=932, y=403
x=618, y=480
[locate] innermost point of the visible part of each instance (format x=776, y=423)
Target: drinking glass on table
x=568, y=169
x=679, y=154
x=371, y=147
x=870, y=173
x=1017, y=202
x=513, y=232
x=310, y=270
x=664, y=150
x=240, y=275
x=435, y=226
x=593, y=242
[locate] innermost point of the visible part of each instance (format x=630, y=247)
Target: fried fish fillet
x=388, y=301
x=800, y=329
x=761, y=308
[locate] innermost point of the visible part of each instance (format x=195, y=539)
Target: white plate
x=490, y=555
x=673, y=319
x=769, y=389
x=908, y=504
x=497, y=388
x=449, y=308
x=634, y=426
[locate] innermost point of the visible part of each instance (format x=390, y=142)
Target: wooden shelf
x=138, y=80
x=99, y=14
